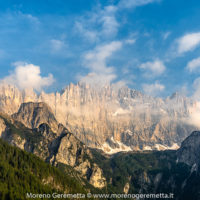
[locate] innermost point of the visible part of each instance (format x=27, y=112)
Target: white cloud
x=95, y=61
x=194, y=118
x=153, y=69
x=25, y=17
x=184, y=90
x=188, y=42
x=193, y=65
x=95, y=79
x=109, y=22
x=135, y=3
x=130, y=41
x=98, y=24
x=194, y=115
x=88, y=33
x=32, y=18
x=153, y=89
x=57, y=44
x=28, y=76
x=102, y=22
x=166, y=35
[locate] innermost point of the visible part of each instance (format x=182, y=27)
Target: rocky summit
x=110, y=118
x=32, y=115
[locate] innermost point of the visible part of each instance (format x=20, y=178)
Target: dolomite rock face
x=2, y=127
x=126, y=188
x=93, y=173
x=17, y=141
x=189, y=151
x=95, y=115
x=96, y=178
x=84, y=168
x=10, y=98
x=14, y=140
x=72, y=152
x=68, y=149
x=33, y=114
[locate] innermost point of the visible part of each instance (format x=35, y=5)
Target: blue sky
x=149, y=45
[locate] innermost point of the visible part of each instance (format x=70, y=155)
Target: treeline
x=22, y=172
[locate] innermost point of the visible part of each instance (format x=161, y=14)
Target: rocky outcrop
x=96, y=178
x=189, y=151
x=32, y=115
x=70, y=150
x=126, y=188
x=2, y=127
x=74, y=153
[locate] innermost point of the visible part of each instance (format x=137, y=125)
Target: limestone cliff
x=2, y=127
x=189, y=151
x=134, y=120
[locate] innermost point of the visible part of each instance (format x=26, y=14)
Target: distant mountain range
x=111, y=118
x=82, y=169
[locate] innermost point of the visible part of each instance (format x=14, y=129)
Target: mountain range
x=113, y=118
x=35, y=129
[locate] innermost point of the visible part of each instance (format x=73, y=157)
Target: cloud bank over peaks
x=194, y=115
x=153, y=89
x=28, y=76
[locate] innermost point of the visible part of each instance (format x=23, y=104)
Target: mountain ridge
x=136, y=120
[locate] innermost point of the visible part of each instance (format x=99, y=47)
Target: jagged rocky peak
x=29, y=95
x=178, y=99
x=10, y=98
x=32, y=115
x=189, y=151
x=176, y=95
